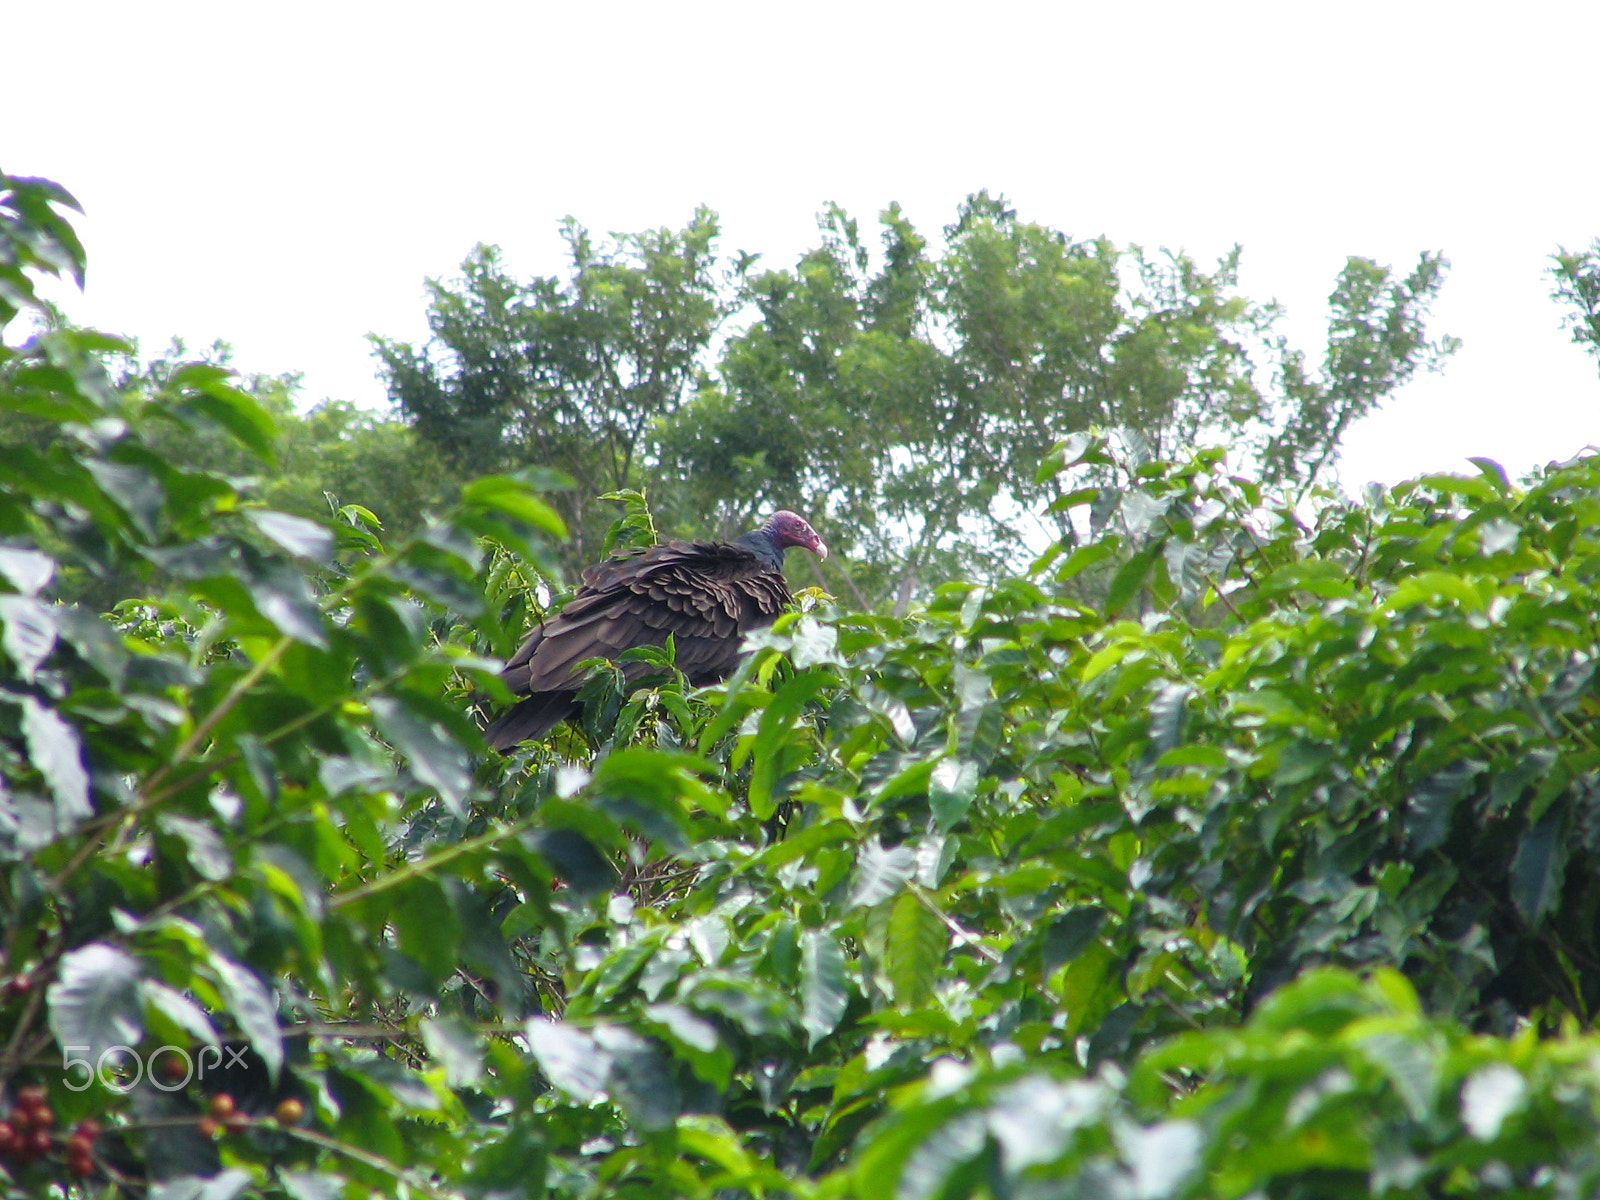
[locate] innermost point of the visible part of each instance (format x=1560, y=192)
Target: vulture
x=706, y=595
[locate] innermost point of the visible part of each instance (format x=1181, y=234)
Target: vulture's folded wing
x=705, y=595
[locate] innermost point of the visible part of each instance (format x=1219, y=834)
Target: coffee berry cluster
x=223, y=1115
x=26, y=1134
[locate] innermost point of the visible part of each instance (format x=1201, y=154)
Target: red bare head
x=791, y=529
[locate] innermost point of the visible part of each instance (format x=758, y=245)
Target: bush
x=1260, y=874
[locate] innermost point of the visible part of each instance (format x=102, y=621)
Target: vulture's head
x=787, y=529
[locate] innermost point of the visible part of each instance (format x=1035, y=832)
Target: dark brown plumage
x=706, y=595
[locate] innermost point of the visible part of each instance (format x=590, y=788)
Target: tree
x=954, y=377
x=1377, y=339
x=566, y=375
x=903, y=398
x=1577, y=280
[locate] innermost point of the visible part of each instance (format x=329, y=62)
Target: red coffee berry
x=89, y=1128
x=222, y=1106
x=8, y=1138
x=207, y=1127
x=79, y=1145
x=43, y=1117
x=31, y=1097
x=39, y=1141
x=80, y=1165
x=290, y=1111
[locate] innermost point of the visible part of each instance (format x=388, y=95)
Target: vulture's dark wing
x=706, y=595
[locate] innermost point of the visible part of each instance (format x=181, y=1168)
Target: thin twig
x=962, y=935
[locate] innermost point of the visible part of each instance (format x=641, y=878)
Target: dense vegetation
x=902, y=396
x=1269, y=872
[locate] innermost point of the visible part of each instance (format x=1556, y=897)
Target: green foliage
x=1270, y=874
x=1577, y=280
x=1376, y=341
x=902, y=397
x=1333, y=1088
x=34, y=239
x=566, y=375
x=321, y=459
x=307, y=464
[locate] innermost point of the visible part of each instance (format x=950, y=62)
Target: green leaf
x=772, y=735
x=300, y=537
x=696, y=1040
x=54, y=750
x=934, y=1168
x=1432, y=804
x=427, y=928
x=1130, y=577
x=752, y=1005
x=909, y=781
x=651, y=790
x=134, y=490
x=914, y=950
x=952, y=787
x=1410, y=1064
x=1084, y=557
x=29, y=571
x=823, y=994
x=394, y=1084
x=435, y=757
x=311, y=1185
x=30, y=633
x=229, y=1184
x=640, y=1079
x=569, y=1058
x=1067, y=936
x=284, y=597
x=236, y=411
x=208, y=853
x=251, y=1004
x=1033, y=1118
x=1162, y=1156
x=453, y=1045
x=1068, y=452
x=179, y=1009
x=880, y=873
x=1071, y=500
x=1167, y=708
x=513, y=498
x=575, y=859
x=1570, y=686
x=94, y=1003
x=1539, y=866
x=1434, y=587
x=814, y=644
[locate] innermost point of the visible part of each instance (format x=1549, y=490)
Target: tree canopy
x=1577, y=290
x=566, y=375
x=1269, y=872
x=899, y=393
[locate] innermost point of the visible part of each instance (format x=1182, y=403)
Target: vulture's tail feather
x=531, y=718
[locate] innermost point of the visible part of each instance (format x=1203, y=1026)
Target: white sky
x=285, y=176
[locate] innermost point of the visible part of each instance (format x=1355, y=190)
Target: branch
x=423, y=866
